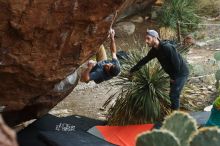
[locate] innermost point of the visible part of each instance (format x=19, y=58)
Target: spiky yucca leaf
x=142, y=99
x=178, y=10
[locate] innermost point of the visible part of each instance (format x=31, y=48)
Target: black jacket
x=170, y=60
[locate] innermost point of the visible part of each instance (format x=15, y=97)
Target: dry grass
x=167, y=33
x=209, y=7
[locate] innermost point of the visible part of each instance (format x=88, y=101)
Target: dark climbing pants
x=176, y=87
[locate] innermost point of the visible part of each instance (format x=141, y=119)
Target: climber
x=97, y=71
x=102, y=70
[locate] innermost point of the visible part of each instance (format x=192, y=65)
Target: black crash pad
x=29, y=136
x=77, y=138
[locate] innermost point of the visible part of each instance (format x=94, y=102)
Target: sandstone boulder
x=124, y=28
x=41, y=43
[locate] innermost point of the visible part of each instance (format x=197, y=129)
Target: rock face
x=41, y=43
x=133, y=7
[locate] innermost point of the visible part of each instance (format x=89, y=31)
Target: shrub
x=142, y=99
x=173, y=11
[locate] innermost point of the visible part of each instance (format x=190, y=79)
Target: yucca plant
x=173, y=11
x=142, y=99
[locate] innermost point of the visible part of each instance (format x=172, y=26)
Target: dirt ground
x=87, y=99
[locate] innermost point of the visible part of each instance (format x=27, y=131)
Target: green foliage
x=206, y=137
x=173, y=11
x=157, y=138
x=142, y=99
x=217, y=74
x=216, y=103
x=181, y=127
x=217, y=56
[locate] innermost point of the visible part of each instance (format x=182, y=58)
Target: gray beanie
x=152, y=33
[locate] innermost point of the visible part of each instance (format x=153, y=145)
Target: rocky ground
x=86, y=99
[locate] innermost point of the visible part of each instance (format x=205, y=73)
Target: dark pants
x=176, y=87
